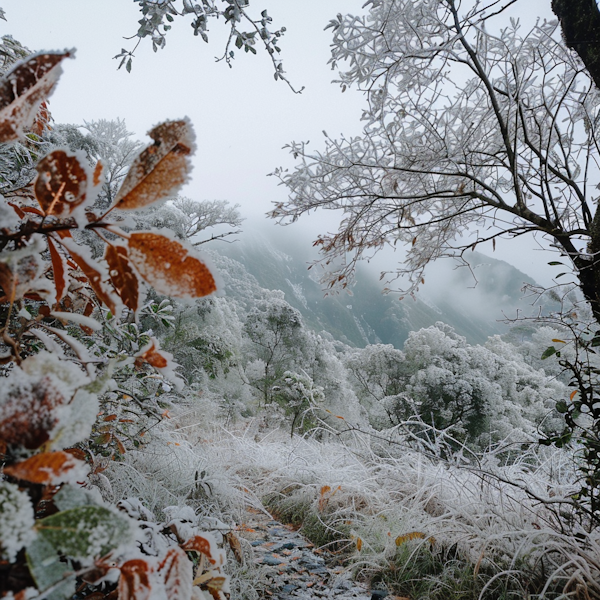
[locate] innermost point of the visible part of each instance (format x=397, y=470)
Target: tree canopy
x=473, y=130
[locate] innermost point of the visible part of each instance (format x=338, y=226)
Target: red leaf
x=46, y=468
x=58, y=268
x=62, y=182
x=122, y=276
x=176, y=570
x=169, y=267
x=24, y=88
x=159, y=170
x=134, y=583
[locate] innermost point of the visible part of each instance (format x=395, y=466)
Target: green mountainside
x=474, y=307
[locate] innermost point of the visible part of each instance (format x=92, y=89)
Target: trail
x=290, y=567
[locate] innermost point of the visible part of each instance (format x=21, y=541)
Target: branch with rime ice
x=245, y=30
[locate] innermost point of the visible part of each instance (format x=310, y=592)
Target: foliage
x=245, y=30
x=58, y=372
x=468, y=126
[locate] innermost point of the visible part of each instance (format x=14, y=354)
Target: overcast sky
x=242, y=117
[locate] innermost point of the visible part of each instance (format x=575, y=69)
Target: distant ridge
x=474, y=308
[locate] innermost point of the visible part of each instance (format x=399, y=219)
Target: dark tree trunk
x=580, y=22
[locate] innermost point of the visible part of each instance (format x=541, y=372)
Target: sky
x=242, y=117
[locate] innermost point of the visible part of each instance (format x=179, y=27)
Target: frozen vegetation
x=144, y=413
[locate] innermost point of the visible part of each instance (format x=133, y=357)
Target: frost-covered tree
x=379, y=373
x=276, y=333
x=473, y=130
x=483, y=393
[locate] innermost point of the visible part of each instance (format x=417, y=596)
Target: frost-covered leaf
x=169, y=266
x=152, y=356
x=59, y=270
x=64, y=182
x=16, y=520
x=22, y=272
x=49, y=571
x=72, y=496
x=161, y=169
x=24, y=88
x=207, y=545
x=176, y=571
x=86, y=531
x=134, y=583
x=50, y=468
x=96, y=274
x=28, y=412
x=38, y=402
x=122, y=275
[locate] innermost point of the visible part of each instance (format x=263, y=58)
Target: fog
x=242, y=117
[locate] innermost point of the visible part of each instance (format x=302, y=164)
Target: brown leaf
x=93, y=273
x=159, y=170
x=28, y=418
x=122, y=275
x=62, y=183
x=58, y=269
x=235, y=545
x=176, y=570
x=134, y=583
x=24, y=88
x=169, y=267
x=46, y=468
x=8, y=283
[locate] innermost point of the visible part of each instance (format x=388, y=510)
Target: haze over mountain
x=475, y=302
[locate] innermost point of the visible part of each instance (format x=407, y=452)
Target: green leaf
x=48, y=571
x=548, y=352
x=561, y=407
x=239, y=42
x=554, y=262
x=86, y=531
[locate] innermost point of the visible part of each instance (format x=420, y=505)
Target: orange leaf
x=169, y=267
x=413, y=535
x=134, y=583
x=93, y=273
x=573, y=394
x=199, y=544
x=61, y=184
x=359, y=544
x=159, y=170
x=46, y=468
x=122, y=276
x=152, y=356
x=110, y=418
x=24, y=88
x=120, y=446
x=176, y=570
x=58, y=269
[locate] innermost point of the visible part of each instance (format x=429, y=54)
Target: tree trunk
x=580, y=22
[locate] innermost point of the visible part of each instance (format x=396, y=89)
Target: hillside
x=474, y=308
